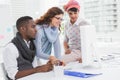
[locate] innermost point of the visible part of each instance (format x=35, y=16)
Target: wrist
x=36, y=70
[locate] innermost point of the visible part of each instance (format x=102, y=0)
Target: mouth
x=57, y=24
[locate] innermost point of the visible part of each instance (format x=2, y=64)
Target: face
x=56, y=20
x=30, y=30
x=73, y=16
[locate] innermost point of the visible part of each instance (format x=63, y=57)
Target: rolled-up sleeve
x=10, y=55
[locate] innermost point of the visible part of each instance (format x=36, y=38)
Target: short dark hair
x=22, y=21
x=73, y=9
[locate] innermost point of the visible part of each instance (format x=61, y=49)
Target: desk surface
x=111, y=73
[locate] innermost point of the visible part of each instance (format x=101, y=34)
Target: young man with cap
x=19, y=55
x=72, y=44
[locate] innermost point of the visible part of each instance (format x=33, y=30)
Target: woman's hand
x=52, y=59
x=55, y=61
x=59, y=63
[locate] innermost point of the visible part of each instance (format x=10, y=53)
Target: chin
x=74, y=19
x=57, y=26
x=32, y=38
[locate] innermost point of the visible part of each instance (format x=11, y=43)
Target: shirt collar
x=76, y=23
x=27, y=43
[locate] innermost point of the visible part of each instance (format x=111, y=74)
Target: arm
x=39, y=52
x=57, y=53
x=65, y=43
x=10, y=61
x=10, y=54
x=57, y=48
x=44, y=68
x=66, y=47
x=24, y=73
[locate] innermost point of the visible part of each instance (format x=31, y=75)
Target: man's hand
x=67, y=51
x=80, y=60
x=45, y=68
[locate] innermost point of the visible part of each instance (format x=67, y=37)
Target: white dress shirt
x=10, y=55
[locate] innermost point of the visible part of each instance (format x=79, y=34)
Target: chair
x=3, y=71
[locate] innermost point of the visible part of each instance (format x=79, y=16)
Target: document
x=80, y=74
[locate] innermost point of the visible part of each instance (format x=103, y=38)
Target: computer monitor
x=88, y=42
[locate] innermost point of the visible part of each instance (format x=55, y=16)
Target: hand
x=45, y=68
x=52, y=59
x=59, y=63
x=67, y=51
x=80, y=60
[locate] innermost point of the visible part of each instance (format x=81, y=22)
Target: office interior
x=103, y=14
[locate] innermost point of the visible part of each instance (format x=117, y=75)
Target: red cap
x=72, y=4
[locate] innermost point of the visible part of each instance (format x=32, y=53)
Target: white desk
x=107, y=74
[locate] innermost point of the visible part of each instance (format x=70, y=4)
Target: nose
x=35, y=30
x=60, y=20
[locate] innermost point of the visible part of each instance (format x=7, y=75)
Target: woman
x=72, y=32
x=47, y=34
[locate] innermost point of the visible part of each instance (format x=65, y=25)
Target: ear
x=22, y=28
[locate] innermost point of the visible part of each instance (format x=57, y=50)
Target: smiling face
x=56, y=20
x=73, y=16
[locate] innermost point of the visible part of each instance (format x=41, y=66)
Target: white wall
x=46, y=4
x=6, y=29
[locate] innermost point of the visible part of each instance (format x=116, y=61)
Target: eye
x=58, y=18
x=70, y=13
x=33, y=26
x=75, y=12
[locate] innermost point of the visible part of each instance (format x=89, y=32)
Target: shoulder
x=10, y=46
x=66, y=24
x=83, y=21
x=38, y=27
x=10, y=49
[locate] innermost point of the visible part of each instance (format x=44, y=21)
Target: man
x=72, y=43
x=19, y=55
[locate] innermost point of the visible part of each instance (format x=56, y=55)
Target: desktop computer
x=88, y=43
